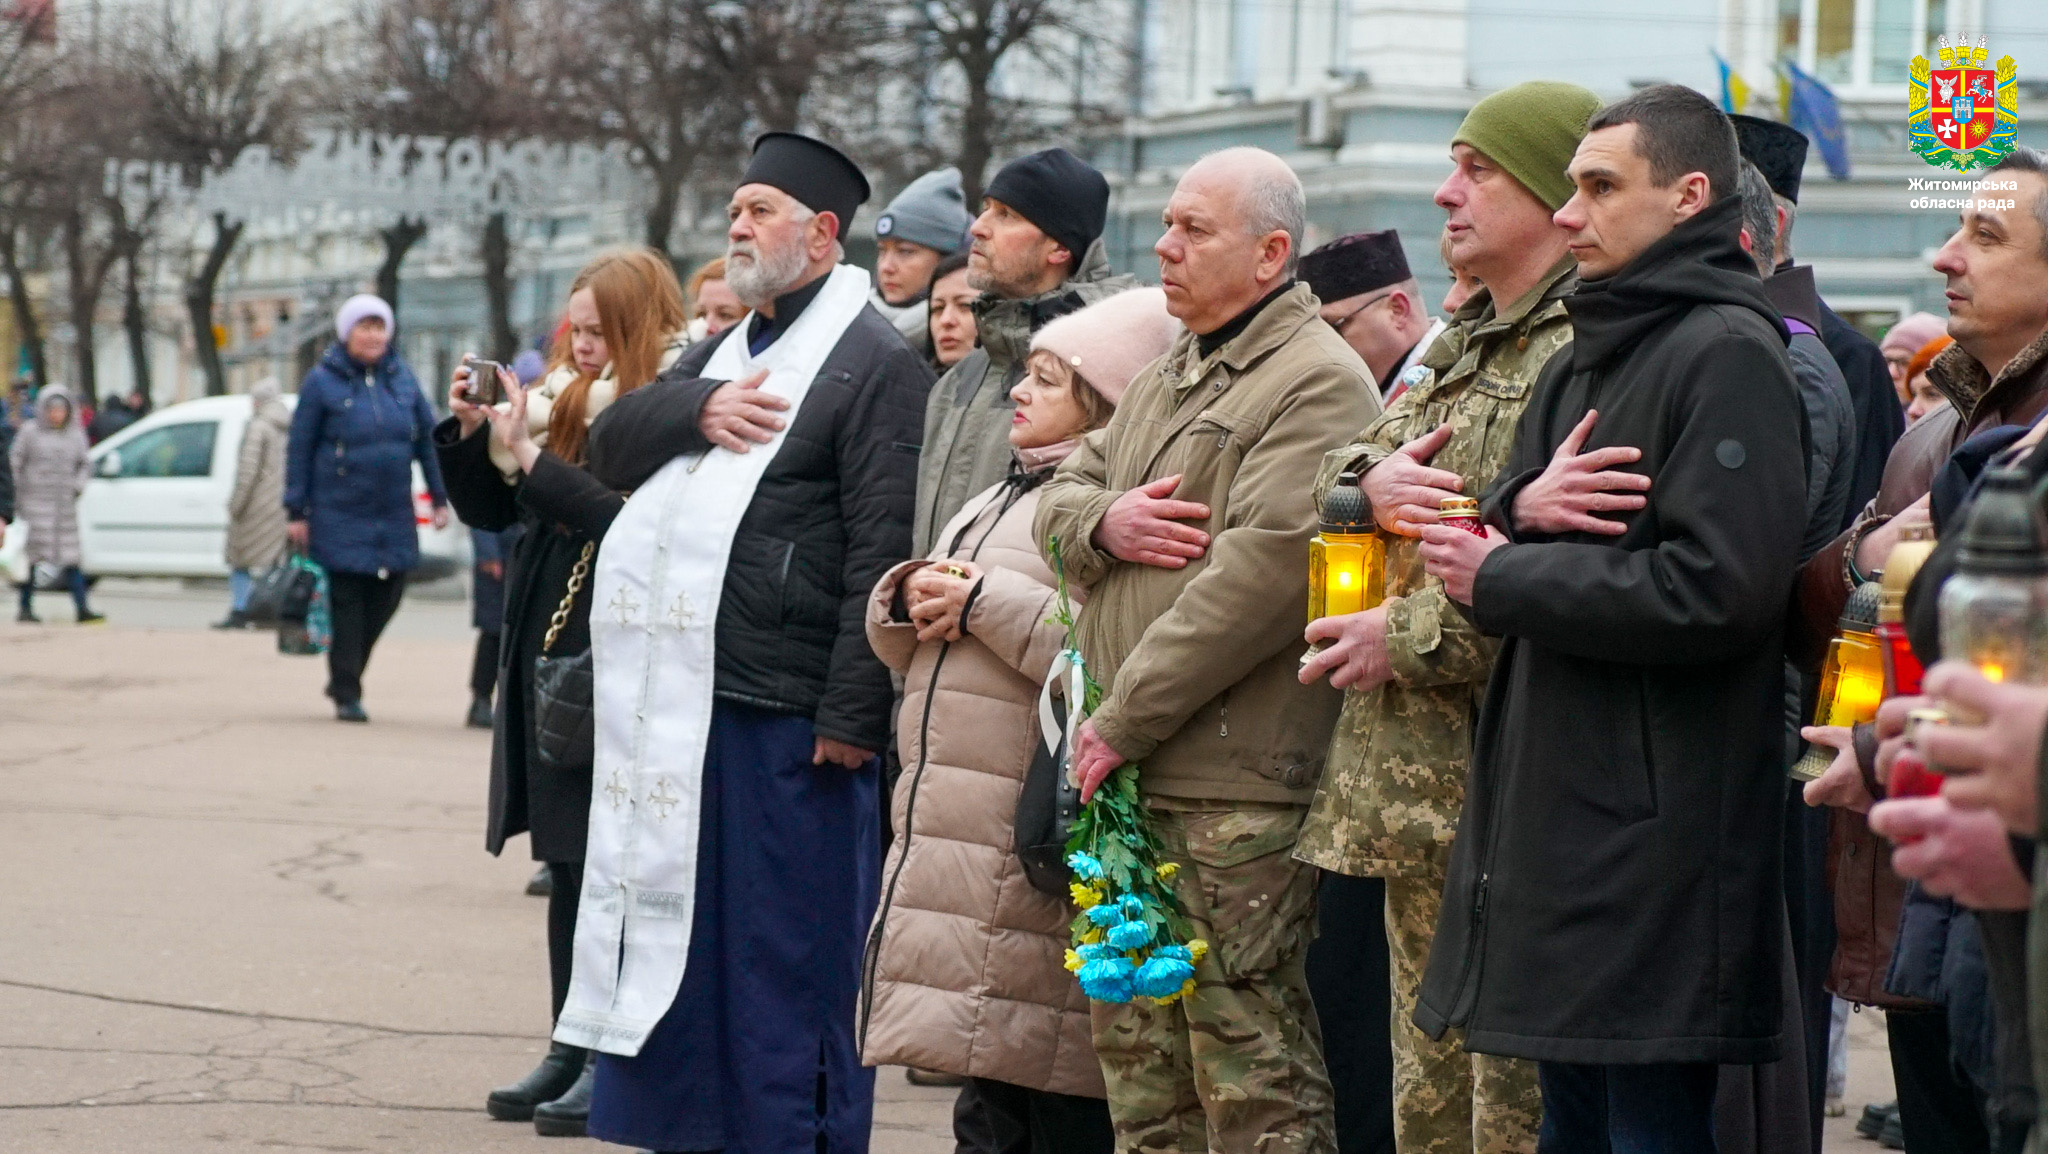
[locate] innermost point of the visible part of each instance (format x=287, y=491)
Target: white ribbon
x=1070, y=665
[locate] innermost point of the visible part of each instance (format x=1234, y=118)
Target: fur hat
x=1111, y=341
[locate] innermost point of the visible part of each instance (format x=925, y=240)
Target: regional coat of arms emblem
x=1963, y=115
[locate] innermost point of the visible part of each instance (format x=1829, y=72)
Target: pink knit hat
x=1912, y=333
x=1111, y=341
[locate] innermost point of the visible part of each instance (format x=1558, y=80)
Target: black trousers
x=1348, y=980
x=991, y=1117
x=1938, y=1107
x=567, y=879
x=483, y=667
x=361, y=605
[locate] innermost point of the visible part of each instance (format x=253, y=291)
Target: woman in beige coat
x=965, y=971
x=256, y=516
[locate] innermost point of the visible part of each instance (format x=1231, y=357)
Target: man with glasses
x=1374, y=303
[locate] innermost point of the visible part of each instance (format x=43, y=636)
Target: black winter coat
x=559, y=511
x=831, y=514
x=1614, y=893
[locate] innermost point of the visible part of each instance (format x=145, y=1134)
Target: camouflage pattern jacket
x=1394, y=783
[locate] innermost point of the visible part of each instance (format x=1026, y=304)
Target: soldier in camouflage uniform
x=1390, y=798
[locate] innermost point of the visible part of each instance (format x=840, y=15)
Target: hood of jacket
x=275, y=412
x=50, y=394
x=1004, y=325
x=1700, y=262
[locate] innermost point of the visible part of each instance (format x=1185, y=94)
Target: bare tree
x=30, y=154
x=969, y=46
x=461, y=82
x=218, y=81
x=398, y=240
x=634, y=72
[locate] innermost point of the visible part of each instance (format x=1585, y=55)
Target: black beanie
x=1057, y=191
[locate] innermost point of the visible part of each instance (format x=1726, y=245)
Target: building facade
x=1362, y=96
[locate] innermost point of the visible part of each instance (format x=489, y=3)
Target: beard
x=758, y=275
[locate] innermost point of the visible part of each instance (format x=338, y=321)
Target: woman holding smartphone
x=626, y=323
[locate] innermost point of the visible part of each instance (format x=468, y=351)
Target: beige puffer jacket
x=965, y=973
x=540, y=402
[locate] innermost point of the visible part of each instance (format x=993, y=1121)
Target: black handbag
x=1046, y=812
x=564, y=727
x=268, y=595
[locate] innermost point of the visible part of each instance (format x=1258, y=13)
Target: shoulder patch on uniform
x=1731, y=454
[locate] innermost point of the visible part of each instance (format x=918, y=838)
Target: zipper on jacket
x=1466, y=1001
x=872, y=954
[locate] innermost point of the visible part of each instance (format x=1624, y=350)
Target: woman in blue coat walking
x=360, y=424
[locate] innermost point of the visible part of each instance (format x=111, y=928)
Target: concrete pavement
x=229, y=923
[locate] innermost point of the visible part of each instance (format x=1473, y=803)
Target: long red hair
x=640, y=305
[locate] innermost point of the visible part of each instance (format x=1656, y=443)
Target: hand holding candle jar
x=1347, y=561
x=1852, y=678
x=1996, y=764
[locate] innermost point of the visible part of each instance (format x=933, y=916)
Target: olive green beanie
x=1531, y=130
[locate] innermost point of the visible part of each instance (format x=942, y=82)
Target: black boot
x=479, y=713
x=550, y=1080
x=236, y=619
x=542, y=883
x=568, y=1115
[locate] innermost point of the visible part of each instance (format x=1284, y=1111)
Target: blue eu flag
x=1812, y=109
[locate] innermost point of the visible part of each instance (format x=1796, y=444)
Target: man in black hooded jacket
x=1613, y=908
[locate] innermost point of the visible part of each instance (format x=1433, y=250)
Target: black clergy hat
x=1777, y=150
x=818, y=175
x=1355, y=264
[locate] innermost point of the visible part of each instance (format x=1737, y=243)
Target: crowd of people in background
x=770, y=567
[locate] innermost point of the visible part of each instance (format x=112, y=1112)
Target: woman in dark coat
x=624, y=312
x=360, y=424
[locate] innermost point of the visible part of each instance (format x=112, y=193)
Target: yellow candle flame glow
x=1992, y=671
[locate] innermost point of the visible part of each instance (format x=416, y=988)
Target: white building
x=1361, y=96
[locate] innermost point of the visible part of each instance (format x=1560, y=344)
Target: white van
x=157, y=504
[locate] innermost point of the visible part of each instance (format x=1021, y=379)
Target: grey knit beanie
x=931, y=211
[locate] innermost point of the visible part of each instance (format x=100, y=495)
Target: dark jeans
x=1938, y=1108
x=991, y=1117
x=361, y=605
x=74, y=579
x=1660, y=1109
x=1348, y=979
x=483, y=667
x=566, y=879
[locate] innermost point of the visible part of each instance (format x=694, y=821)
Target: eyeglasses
x=1353, y=314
